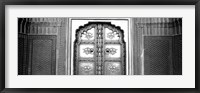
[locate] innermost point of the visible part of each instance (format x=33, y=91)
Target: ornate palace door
x=99, y=49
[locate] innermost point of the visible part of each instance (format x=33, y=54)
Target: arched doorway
x=99, y=49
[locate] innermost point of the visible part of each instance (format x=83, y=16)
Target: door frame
x=70, y=40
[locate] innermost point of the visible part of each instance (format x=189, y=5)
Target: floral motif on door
x=99, y=49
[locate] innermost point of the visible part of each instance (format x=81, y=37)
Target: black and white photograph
x=99, y=46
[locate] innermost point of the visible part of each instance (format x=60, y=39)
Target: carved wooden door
x=99, y=49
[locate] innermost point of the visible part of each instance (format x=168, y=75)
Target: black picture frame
x=3, y=3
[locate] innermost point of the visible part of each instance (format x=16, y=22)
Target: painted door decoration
x=99, y=49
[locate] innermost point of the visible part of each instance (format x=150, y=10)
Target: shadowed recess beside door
x=41, y=46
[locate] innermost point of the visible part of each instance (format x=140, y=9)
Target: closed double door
x=99, y=49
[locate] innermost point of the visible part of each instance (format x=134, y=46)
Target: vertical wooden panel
x=21, y=43
x=22, y=48
x=42, y=55
x=177, y=62
x=137, y=42
x=157, y=55
x=62, y=47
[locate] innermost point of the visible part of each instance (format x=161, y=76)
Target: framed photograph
x=112, y=46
